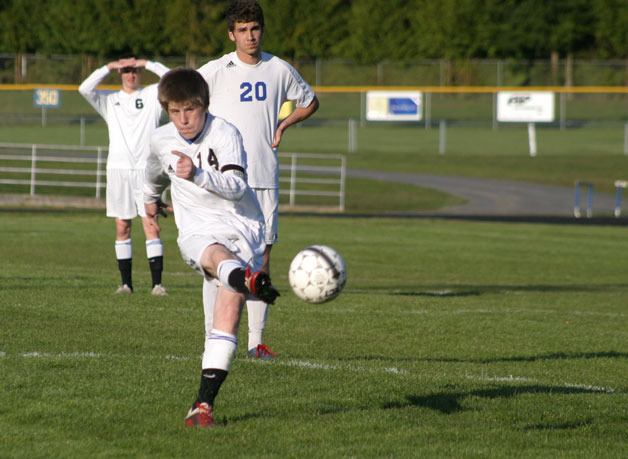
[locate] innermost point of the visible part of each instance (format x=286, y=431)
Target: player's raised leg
x=237, y=281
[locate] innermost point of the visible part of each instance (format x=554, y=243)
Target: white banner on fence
x=394, y=105
x=525, y=106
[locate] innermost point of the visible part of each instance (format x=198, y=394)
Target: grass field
x=451, y=339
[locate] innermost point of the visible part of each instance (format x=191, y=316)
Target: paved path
x=486, y=199
x=489, y=197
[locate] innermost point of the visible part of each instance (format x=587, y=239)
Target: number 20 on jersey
x=253, y=91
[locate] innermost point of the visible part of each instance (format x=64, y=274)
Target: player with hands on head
x=248, y=88
x=131, y=114
x=220, y=224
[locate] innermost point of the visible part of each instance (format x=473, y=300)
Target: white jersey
x=219, y=199
x=131, y=117
x=250, y=97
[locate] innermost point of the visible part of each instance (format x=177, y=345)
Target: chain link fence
x=72, y=69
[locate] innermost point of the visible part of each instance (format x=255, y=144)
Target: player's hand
x=140, y=63
x=277, y=138
x=163, y=209
x=185, y=168
x=114, y=65
x=128, y=62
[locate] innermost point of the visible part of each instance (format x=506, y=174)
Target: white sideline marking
x=502, y=378
x=324, y=366
x=500, y=311
x=61, y=355
x=511, y=378
x=608, y=390
x=307, y=364
x=177, y=358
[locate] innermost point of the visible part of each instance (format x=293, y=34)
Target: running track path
x=489, y=197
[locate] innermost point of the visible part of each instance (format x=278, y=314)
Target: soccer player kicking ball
x=221, y=228
x=248, y=88
x=131, y=114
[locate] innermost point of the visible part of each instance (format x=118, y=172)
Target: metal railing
x=321, y=175
x=307, y=174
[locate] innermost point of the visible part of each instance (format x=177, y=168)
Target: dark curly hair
x=244, y=11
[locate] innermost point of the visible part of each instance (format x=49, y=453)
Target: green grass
x=451, y=339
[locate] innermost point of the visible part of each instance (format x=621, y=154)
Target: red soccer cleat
x=200, y=415
x=261, y=352
x=258, y=284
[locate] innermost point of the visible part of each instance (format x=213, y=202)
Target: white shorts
x=268, y=199
x=125, y=196
x=249, y=249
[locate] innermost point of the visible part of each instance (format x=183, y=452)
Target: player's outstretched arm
x=299, y=114
x=228, y=184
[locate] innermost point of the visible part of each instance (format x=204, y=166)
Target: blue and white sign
x=46, y=98
x=394, y=106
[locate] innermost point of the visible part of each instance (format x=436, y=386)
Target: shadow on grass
x=451, y=402
x=559, y=425
x=476, y=290
x=536, y=358
x=515, y=358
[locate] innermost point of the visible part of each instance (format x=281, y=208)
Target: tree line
x=365, y=31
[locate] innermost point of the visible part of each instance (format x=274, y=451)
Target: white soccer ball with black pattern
x=317, y=274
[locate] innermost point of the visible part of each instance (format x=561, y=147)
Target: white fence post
x=343, y=174
x=82, y=134
x=442, y=136
x=353, y=136
x=563, y=111
x=293, y=179
x=33, y=168
x=98, y=171
x=532, y=139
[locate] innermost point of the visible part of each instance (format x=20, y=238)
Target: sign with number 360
x=47, y=97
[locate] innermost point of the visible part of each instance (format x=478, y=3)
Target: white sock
x=257, y=312
x=154, y=248
x=220, y=349
x=224, y=269
x=124, y=249
x=210, y=290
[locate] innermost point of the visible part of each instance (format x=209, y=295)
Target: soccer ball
x=317, y=274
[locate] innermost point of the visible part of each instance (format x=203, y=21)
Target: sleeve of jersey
x=230, y=181
x=88, y=90
x=156, y=179
x=157, y=68
x=298, y=89
x=229, y=185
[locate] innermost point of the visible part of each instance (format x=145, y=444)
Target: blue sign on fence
x=402, y=106
x=393, y=105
